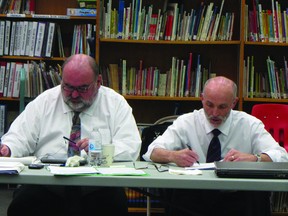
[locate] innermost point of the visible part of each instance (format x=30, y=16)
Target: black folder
x=272, y=170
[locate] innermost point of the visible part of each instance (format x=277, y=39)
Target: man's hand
x=185, y=157
x=234, y=155
x=83, y=144
x=5, y=151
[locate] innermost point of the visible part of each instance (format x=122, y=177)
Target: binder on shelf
x=32, y=41
x=39, y=38
x=2, y=77
x=2, y=37
x=7, y=37
x=50, y=39
x=3, y=119
x=12, y=38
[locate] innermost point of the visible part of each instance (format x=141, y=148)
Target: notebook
x=272, y=170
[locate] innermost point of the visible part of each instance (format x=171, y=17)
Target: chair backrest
x=166, y=119
x=275, y=119
x=149, y=134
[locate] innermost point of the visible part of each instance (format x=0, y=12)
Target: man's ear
x=99, y=79
x=234, y=102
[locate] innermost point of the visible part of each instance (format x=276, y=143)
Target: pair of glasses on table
x=158, y=167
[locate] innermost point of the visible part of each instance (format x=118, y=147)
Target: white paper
x=25, y=160
x=201, y=166
x=57, y=170
x=120, y=171
x=185, y=172
x=6, y=166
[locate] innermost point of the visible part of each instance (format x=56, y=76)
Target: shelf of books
x=35, y=38
x=166, y=50
x=265, y=72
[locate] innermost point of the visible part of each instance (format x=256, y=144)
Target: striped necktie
x=75, y=135
x=214, y=150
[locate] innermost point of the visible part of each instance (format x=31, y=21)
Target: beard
x=216, y=120
x=78, y=104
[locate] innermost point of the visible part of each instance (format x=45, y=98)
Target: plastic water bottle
x=95, y=148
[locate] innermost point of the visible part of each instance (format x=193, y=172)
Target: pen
x=66, y=138
x=189, y=147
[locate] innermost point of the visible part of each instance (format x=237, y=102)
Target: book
x=6, y=80
x=18, y=35
x=3, y=118
x=81, y=12
x=32, y=40
x=39, y=38
x=12, y=38
x=120, y=19
x=16, y=80
x=2, y=37
x=206, y=23
x=24, y=36
x=2, y=77
x=124, y=77
x=114, y=75
x=7, y=37
x=11, y=79
x=87, y=3
x=188, y=76
x=218, y=17
x=50, y=39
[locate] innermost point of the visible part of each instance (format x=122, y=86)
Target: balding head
x=218, y=98
x=222, y=85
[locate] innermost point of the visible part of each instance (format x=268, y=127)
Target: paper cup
x=107, y=154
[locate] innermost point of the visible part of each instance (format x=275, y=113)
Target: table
x=154, y=179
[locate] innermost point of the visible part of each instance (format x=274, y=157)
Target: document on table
x=58, y=170
x=202, y=166
x=120, y=171
x=11, y=168
x=125, y=171
x=25, y=160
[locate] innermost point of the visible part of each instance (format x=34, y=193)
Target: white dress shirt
x=240, y=131
x=40, y=128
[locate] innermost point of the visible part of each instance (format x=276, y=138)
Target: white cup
x=107, y=154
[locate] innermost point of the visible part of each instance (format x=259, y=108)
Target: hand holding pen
x=189, y=147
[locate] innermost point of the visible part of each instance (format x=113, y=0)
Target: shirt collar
x=224, y=128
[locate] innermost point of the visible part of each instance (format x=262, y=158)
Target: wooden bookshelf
x=45, y=11
x=221, y=57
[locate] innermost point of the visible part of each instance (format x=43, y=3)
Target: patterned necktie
x=74, y=135
x=214, y=150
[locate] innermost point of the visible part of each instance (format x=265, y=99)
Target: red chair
x=275, y=119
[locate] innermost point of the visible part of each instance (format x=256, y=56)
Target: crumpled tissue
x=74, y=161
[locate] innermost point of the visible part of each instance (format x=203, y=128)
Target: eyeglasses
x=137, y=168
x=79, y=89
x=158, y=167
x=161, y=167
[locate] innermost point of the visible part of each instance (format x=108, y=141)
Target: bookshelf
x=159, y=53
x=44, y=12
x=221, y=57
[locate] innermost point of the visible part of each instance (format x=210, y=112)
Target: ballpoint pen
x=66, y=138
x=189, y=147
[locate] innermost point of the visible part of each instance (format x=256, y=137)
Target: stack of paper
x=25, y=160
x=11, y=168
x=91, y=170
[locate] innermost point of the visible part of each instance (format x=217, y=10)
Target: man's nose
x=74, y=93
